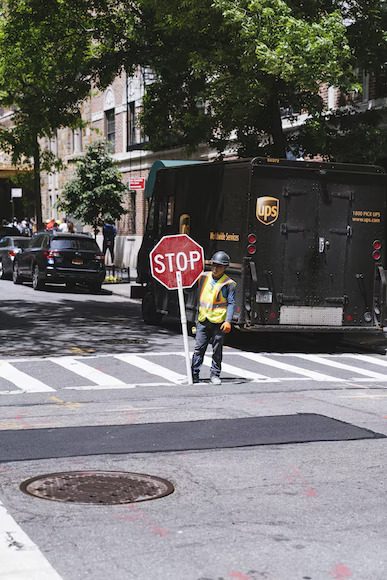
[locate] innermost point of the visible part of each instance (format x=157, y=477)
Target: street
x=86, y=386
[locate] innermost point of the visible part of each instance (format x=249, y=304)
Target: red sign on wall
x=137, y=183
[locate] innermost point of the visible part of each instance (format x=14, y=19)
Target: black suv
x=53, y=257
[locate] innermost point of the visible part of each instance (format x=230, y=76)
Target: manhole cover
x=97, y=487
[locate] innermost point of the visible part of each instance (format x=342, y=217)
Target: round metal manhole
x=97, y=487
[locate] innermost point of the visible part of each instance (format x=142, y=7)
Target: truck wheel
x=15, y=275
x=149, y=312
x=37, y=283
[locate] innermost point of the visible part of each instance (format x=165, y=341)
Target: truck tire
x=149, y=312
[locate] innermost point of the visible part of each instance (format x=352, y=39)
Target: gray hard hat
x=221, y=258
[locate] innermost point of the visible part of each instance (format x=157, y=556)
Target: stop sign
x=178, y=253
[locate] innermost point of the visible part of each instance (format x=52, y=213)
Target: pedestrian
x=216, y=309
x=63, y=226
x=109, y=233
x=70, y=228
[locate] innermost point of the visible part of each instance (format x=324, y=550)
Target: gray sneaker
x=214, y=380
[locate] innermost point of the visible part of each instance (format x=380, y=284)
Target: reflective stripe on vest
x=212, y=303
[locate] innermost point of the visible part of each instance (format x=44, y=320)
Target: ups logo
x=267, y=210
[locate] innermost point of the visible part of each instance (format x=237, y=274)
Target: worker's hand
x=226, y=327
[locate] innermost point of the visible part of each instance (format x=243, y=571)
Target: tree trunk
x=37, y=188
x=279, y=139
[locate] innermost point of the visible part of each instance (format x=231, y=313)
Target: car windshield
x=74, y=244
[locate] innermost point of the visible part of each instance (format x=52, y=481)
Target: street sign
x=178, y=253
x=137, y=183
x=16, y=192
x=177, y=262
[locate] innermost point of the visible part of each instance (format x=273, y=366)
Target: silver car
x=9, y=247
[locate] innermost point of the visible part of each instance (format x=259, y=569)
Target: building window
x=110, y=128
x=132, y=140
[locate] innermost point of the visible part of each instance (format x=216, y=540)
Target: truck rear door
x=302, y=227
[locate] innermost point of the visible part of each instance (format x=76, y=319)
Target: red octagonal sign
x=174, y=254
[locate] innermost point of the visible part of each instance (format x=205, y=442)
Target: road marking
x=20, y=558
x=338, y=365
x=22, y=380
x=86, y=371
x=152, y=368
x=244, y=374
x=112, y=387
x=261, y=359
x=370, y=359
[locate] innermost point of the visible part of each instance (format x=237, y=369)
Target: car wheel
x=16, y=274
x=37, y=283
x=149, y=312
x=2, y=273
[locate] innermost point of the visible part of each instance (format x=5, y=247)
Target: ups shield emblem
x=267, y=210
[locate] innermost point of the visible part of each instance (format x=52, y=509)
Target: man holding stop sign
x=216, y=309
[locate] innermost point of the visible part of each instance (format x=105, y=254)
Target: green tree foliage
x=96, y=192
x=225, y=66
x=354, y=133
x=50, y=53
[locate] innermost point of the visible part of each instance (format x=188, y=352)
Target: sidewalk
x=130, y=290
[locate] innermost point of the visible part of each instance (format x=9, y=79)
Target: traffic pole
x=183, y=318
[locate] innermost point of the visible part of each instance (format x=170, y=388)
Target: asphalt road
x=80, y=362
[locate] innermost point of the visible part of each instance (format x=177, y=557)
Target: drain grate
x=97, y=487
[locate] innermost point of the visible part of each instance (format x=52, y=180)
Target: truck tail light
x=377, y=247
x=251, y=249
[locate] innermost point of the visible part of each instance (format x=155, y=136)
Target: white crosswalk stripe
x=339, y=365
x=150, y=370
x=22, y=380
x=238, y=372
x=264, y=360
x=86, y=371
x=151, y=367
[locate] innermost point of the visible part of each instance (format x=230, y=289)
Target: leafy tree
x=96, y=192
x=50, y=54
x=228, y=66
x=353, y=133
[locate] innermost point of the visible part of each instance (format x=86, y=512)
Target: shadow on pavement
x=70, y=327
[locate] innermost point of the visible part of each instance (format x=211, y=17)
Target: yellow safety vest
x=212, y=303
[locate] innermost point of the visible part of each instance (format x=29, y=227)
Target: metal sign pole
x=184, y=326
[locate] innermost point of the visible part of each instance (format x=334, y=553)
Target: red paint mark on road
x=162, y=532
x=239, y=575
x=340, y=572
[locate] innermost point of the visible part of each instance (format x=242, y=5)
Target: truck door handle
x=323, y=245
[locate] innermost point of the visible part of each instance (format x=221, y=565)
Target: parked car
x=55, y=257
x=9, y=247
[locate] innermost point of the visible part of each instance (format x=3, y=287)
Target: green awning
x=159, y=164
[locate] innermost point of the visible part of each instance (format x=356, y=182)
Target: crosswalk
x=128, y=370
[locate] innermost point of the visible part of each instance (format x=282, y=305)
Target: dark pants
x=207, y=332
x=108, y=245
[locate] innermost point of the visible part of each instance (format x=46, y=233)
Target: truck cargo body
x=306, y=240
